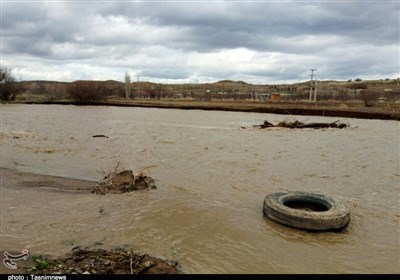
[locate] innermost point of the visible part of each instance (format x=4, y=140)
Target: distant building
x=262, y=96
x=276, y=97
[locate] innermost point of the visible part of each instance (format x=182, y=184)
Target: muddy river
x=212, y=176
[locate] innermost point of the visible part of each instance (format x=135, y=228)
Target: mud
x=101, y=261
x=299, y=124
x=312, y=109
x=53, y=183
x=124, y=181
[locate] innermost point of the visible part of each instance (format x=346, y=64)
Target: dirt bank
x=89, y=261
x=333, y=109
x=18, y=179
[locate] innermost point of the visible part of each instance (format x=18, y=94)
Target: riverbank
x=383, y=111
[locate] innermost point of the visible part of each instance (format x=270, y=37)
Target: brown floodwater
x=212, y=177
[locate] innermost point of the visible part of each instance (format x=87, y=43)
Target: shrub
x=357, y=86
x=86, y=91
x=8, y=85
x=370, y=97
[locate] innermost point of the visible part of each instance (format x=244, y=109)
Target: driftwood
x=100, y=135
x=298, y=124
x=124, y=181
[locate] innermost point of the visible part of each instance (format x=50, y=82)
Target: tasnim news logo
x=9, y=259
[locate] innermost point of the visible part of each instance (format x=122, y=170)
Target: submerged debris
x=298, y=124
x=100, y=261
x=124, y=181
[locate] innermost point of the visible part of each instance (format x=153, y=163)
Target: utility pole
x=138, y=86
x=312, y=85
x=315, y=90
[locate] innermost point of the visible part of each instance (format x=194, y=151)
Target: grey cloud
x=239, y=23
x=161, y=38
x=173, y=73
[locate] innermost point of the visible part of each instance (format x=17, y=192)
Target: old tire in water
x=307, y=211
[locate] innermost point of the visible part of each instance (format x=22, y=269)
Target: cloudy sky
x=265, y=42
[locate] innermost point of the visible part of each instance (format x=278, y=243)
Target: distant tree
x=159, y=91
x=8, y=85
x=86, y=91
x=150, y=92
x=120, y=91
x=358, y=80
x=357, y=85
x=342, y=94
x=393, y=95
x=370, y=97
x=127, y=85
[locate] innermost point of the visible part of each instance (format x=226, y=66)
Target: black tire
x=326, y=213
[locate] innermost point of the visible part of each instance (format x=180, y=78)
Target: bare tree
x=127, y=85
x=8, y=85
x=87, y=91
x=370, y=97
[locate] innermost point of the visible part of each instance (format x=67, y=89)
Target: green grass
x=39, y=263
